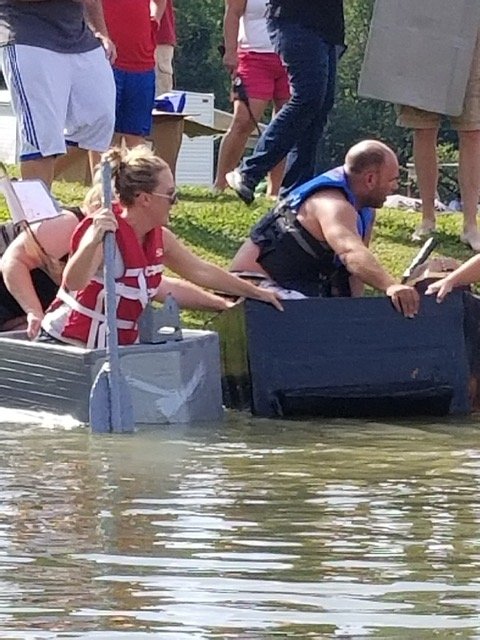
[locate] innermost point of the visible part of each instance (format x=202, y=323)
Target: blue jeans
x=311, y=64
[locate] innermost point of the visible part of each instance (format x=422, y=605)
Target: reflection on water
x=253, y=530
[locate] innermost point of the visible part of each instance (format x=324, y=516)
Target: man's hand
x=109, y=47
x=34, y=321
x=404, y=298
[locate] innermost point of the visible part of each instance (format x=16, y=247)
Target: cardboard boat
x=322, y=357
x=351, y=357
x=174, y=377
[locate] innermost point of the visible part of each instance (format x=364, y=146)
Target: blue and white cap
x=172, y=102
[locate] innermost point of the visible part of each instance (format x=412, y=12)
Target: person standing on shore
x=57, y=58
x=307, y=36
x=425, y=125
x=133, y=26
x=250, y=58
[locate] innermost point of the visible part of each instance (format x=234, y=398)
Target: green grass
x=214, y=227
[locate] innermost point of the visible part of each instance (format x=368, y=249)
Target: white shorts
x=60, y=98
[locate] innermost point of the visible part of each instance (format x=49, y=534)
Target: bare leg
x=234, y=141
x=76, y=155
x=426, y=166
x=163, y=68
x=15, y=324
x=275, y=179
x=93, y=161
x=132, y=140
x=246, y=258
x=66, y=162
x=469, y=181
x=40, y=168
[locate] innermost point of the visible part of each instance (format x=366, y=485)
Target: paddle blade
x=420, y=258
x=110, y=413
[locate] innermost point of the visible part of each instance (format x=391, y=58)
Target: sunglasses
x=172, y=198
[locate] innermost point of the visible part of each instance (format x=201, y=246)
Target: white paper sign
x=419, y=53
x=28, y=200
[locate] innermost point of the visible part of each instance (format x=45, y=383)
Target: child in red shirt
x=133, y=28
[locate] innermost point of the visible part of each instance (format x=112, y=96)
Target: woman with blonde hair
x=145, y=192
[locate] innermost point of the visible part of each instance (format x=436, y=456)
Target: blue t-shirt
x=57, y=25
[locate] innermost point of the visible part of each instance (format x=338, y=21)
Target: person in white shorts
x=57, y=65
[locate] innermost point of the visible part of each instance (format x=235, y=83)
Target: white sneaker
x=235, y=181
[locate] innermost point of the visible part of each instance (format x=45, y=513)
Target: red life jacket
x=85, y=319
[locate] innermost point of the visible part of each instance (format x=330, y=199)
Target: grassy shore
x=214, y=226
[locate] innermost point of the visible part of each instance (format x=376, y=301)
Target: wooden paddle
x=420, y=258
x=111, y=408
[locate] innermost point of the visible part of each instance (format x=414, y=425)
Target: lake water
x=251, y=530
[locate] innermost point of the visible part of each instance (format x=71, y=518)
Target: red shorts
x=263, y=75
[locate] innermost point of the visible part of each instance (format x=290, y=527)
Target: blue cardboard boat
x=351, y=357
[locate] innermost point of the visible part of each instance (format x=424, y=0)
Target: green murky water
x=252, y=530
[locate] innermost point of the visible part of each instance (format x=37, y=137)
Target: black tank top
x=325, y=16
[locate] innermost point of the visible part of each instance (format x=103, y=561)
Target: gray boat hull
x=171, y=382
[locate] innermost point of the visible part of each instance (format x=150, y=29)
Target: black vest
x=294, y=259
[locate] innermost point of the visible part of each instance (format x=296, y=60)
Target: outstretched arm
x=16, y=267
x=19, y=260
x=189, y=266
x=337, y=220
x=357, y=287
x=467, y=273
x=189, y=296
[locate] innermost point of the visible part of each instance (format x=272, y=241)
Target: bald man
x=316, y=240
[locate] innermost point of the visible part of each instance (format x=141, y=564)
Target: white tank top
x=252, y=32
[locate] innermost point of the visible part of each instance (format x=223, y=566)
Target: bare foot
x=423, y=232
x=471, y=238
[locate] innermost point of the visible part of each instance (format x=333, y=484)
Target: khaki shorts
x=468, y=120
x=163, y=68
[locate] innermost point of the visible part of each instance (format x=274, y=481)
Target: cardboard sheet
x=419, y=53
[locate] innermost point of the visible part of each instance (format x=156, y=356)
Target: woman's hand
x=230, y=61
x=271, y=297
x=103, y=221
x=34, y=323
x=441, y=287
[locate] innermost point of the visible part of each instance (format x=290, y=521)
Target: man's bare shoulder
x=328, y=202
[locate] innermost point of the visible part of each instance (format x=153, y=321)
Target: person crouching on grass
x=145, y=192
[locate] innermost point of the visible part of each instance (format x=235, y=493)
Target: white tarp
x=419, y=53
